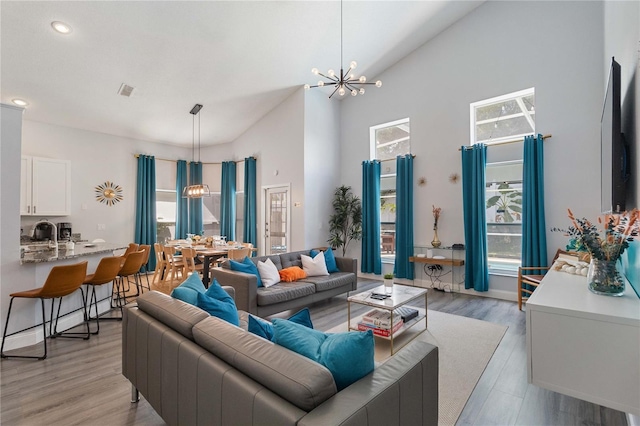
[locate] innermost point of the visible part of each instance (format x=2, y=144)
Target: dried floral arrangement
x=609, y=244
x=436, y=216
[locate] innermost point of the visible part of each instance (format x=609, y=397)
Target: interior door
x=277, y=220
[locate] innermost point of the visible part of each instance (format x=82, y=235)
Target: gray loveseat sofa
x=284, y=296
x=195, y=369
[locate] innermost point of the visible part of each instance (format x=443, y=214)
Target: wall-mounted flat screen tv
x=614, y=164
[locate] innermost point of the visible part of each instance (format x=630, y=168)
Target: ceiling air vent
x=126, y=90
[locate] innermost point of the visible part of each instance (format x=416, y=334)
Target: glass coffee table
x=402, y=296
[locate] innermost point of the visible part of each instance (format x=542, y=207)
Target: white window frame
x=496, y=100
x=387, y=258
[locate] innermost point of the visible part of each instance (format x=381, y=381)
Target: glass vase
x=604, y=278
x=435, y=242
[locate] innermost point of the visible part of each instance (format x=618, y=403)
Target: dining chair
x=528, y=282
x=173, y=264
x=160, y=263
x=61, y=281
x=106, y=272
x=189, y=262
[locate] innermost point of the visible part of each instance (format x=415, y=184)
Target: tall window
x=211, y=215
x=165, y=215
x=387, y=142
x=493, y=121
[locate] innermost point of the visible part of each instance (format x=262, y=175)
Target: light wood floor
x=80, y=382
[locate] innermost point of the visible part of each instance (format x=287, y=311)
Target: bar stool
x=105, y=273
x=132, y=265
x=62, y=281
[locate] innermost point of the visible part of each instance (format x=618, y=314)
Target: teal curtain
x=371, y=259
x=182, y=204
x=476, y=265
x=404, y=217
x=228, y=201
x=195, y=204
x=250, y=231
x=146, y=226
x=534, y=236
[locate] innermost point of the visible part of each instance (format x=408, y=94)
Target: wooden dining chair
x=173, y=264
x=189, y=264
x=161, y=264
x=238, y=254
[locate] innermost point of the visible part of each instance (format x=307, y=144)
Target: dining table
x=208, y=255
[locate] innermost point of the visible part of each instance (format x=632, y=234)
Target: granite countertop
x=81, y=249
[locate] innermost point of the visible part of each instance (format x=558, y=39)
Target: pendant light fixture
x=345, y=81
x=201, y=189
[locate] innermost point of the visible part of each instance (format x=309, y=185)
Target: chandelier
x=346, y=81
x=195, y=190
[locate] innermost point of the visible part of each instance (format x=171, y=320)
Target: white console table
x=584, y=345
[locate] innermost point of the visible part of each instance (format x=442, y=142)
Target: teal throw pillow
x=263, y=328
x=329, y=259
x=189, y=289
x=218, y=304
x=348, y=356
x=246, y=266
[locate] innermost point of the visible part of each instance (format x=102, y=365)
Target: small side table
x=448, y=262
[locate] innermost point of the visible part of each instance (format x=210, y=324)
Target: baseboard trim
x=36, y=335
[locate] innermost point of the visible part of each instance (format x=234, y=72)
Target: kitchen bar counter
x=80, y=250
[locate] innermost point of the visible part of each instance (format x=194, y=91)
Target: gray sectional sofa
x=195, y=369
x=284, y=296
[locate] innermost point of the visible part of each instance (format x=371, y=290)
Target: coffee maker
x=64, y=231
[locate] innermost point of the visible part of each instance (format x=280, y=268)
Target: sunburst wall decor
x=108, y=193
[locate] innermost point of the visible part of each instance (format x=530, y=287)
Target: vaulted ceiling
x=237, y=58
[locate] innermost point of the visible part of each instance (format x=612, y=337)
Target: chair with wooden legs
x=189, y=262
x=131, y=266
x=61, y=281
x=173, y=264
x=160, y=263
x=147, y=253
x=528, y=282
x=105, y=273
x=234, y=254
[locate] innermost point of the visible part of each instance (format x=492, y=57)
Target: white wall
x=498, y=48
x=622, y=40
x=277, y=142
x=96, y=158
x=321, y=164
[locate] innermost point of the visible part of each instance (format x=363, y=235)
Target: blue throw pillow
x=329, y=259
x=246, y=266
x=348, y=356
x=218, y=304
x=189, y=289
x=263, y=328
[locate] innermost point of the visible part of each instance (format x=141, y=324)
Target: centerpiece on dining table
x=605, y=247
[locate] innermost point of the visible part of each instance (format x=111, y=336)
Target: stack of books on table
x=379, y=322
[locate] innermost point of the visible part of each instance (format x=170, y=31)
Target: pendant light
x=201, y=189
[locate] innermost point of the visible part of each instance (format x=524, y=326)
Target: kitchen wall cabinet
x=45, y=187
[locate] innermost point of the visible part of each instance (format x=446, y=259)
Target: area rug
x=465, y=347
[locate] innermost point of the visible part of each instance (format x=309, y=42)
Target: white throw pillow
x=268, y=273
x=314, y=267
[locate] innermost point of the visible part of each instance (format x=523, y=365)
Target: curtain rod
x=175, y=161
x=394, y=159
x=507, y=142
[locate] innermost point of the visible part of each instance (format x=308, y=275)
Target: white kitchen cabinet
x=45, y=187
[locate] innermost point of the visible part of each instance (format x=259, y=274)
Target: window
x=211, y=215
x=165, y=215
x=387, y=142
x=503, y=119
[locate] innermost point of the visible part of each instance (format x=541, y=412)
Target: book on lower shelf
x=381, y=319
x=383, y=332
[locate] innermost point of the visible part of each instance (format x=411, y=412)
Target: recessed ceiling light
x=61, y=27
x=20, y=102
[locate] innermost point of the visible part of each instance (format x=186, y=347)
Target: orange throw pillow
x=291, y=274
